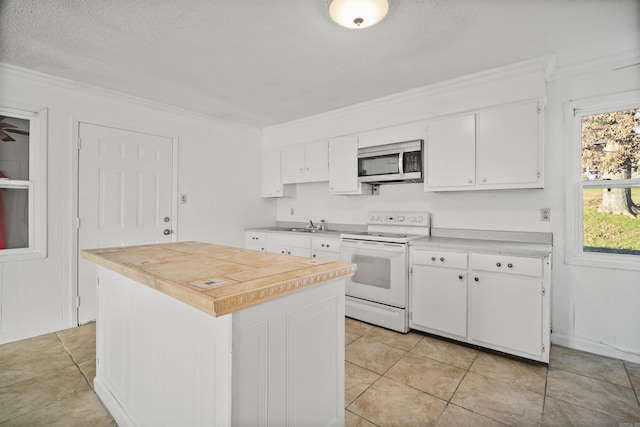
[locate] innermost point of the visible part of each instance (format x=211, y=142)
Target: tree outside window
x=611, y=182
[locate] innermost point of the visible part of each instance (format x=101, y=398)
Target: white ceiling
x=265, y=62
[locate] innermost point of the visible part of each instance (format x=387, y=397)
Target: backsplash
x=483, y=210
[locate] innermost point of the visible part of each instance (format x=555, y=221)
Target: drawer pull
x=510, y=265
x=476, y=279
x=441, y=259
x=498, y=264
x=433, y=258
x=461, y=277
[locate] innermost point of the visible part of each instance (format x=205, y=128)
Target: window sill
x=23, y=254
x=603, y=260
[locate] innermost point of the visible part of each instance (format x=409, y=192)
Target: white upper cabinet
x=509, y=147
x=498, y=148
x=308, y=162
x=271, y=183
x=450, y=157
x=343, y=167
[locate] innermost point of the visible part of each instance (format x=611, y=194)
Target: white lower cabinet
x=289, y=244
x=439, y=300
x=506, y=312
x=497, y=301
x=255, y=240
x=439, y=292
x=322, y=246
x=325, y=248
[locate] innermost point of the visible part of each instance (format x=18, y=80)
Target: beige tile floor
x=391, y=379
x=418, y=380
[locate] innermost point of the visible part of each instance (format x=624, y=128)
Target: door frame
x=73, y=290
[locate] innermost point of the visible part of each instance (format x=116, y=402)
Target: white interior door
x=125, y=197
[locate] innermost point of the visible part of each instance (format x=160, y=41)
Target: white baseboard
x=589, y=346
x=112, y=404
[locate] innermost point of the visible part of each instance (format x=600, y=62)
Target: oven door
x=382, y=271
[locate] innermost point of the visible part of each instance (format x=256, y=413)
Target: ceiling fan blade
x=18, y=131
x=5, y=137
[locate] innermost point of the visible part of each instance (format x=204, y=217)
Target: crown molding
x=544, y=64
x=612, y=62
x=20, y=72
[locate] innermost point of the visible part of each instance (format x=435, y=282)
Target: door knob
x=166, y=219
x=167, y=231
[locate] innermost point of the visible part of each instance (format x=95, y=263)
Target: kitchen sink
x=305, y=230
x=297, y=229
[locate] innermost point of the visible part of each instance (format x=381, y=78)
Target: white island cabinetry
x=193, y=334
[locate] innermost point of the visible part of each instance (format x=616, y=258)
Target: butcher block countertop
x=217, y=279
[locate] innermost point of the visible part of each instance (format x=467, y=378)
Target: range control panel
x=414, y=219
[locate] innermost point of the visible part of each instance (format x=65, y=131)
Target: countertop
x=512, y=243
x=217, y=279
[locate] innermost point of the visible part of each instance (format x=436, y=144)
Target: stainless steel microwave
x=391, y=163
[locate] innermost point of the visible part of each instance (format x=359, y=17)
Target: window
x=608, y=189
x=22, y=183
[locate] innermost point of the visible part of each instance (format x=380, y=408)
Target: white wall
x=594, y=309
x=36, y=295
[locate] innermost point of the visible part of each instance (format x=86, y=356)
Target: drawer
x=524, y=266
x=289, y=241
x=325, y=244
x=439, y=258
x=254, y=237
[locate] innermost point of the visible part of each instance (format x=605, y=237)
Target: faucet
x=323, y=225
x=311, y=224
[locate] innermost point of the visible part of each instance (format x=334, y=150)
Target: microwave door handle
x=401, y=163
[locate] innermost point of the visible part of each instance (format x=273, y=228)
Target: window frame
x=36, y=185
x=574, y=111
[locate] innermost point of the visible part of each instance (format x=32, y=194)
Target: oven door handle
x=364, y=244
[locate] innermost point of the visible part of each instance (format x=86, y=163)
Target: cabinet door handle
x=476, y=279
x=498, y=264
x=433, y=258
x=461, y=277
x=510, y=265
x=441, y=259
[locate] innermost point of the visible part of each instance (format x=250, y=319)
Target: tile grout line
x=77, y=365
x=635, y=391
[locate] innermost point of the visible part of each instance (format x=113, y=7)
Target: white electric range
x=378, y=292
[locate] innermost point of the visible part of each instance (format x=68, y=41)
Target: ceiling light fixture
x=358, y=13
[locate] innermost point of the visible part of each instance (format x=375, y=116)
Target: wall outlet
x=545, y=214
x=293, y=211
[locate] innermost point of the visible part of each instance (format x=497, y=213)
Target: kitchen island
x=200, y=334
